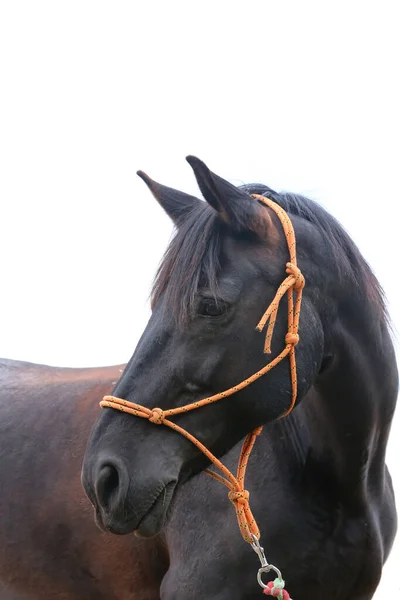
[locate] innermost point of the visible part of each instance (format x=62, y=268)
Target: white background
x=301, y=96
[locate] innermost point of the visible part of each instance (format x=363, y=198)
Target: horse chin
x=113, y=527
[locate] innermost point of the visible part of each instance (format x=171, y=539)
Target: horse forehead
x=249, y=259
x=240, y=253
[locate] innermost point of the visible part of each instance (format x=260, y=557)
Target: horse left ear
x=235, y=206
x=176, y=204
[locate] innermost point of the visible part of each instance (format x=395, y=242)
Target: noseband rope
x=294, y=282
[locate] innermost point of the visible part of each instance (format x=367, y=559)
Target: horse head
x=218, y=276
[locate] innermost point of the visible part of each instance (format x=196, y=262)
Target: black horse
x=320, y=489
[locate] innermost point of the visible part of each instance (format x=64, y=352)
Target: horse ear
x=236, y=207
x=176, y=204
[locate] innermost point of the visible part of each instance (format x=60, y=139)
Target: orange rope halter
x=237, y=494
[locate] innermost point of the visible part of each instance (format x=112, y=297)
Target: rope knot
x=294, y=270
x=292, y=339
x=156, y=416
x=240, y=497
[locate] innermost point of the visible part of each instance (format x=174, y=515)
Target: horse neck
x=349, y=409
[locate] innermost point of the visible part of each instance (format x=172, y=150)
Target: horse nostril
x=107, y=485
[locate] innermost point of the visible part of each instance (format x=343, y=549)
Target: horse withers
x=320, y=490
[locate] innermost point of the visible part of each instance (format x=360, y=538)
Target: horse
x=319, y=486
x=50, y=548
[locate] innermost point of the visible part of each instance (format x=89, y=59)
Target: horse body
x=50, y=547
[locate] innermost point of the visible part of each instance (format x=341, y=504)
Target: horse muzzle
x=123, y=506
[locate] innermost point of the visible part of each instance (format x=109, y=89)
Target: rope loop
x=156, y=416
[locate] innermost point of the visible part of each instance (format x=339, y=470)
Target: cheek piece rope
x=292, y=285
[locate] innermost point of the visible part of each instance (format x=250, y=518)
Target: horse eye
x=212, y=308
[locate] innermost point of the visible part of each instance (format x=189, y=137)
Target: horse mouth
x=149, y=525
x=154, y=520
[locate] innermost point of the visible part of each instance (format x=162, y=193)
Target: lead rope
x=238, y=495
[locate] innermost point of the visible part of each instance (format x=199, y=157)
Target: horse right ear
x=176, y=204
x=234, y=205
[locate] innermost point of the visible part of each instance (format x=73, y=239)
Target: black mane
x=193, y=256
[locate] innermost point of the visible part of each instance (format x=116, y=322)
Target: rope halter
x=292, y=284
